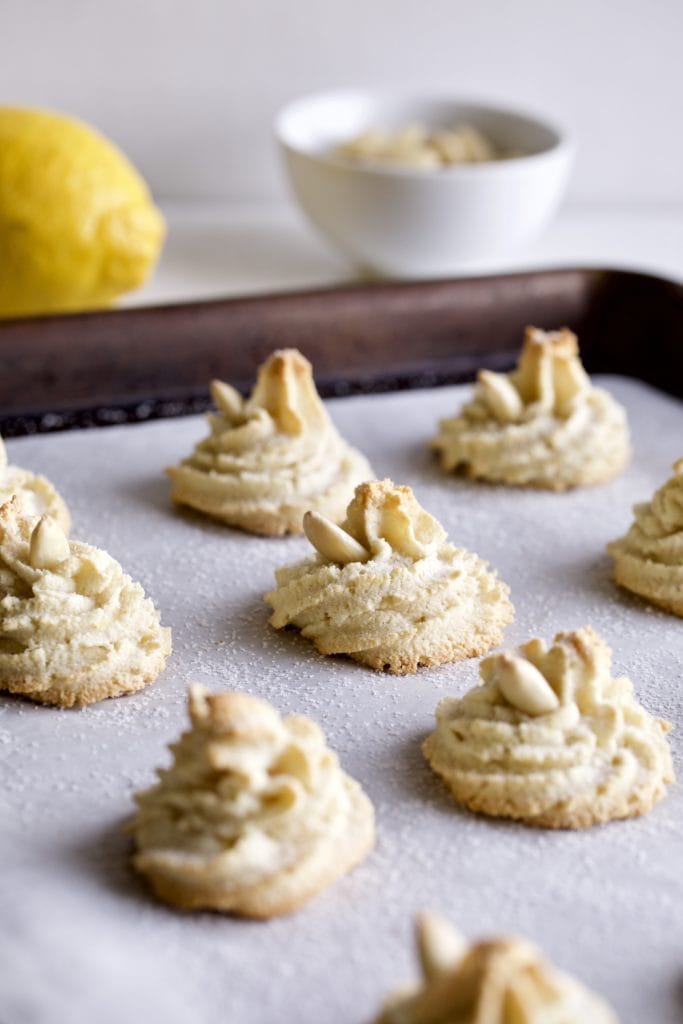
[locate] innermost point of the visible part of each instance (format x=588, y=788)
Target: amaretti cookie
x=38, y=495
x=255, y=815
x=74, y=628
x=551, y=739
x=649, y=559
x=387, y=589
x=495, y=981
x=544, y=425
x=271, y=457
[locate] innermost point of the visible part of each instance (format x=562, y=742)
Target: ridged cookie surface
x=74, y=628
x=551, y=739
x=255, y=815
x=496, y=981
x=270, y=458
x=38, y=495
x=544, y=425
x=649, y=559
x=387, y=589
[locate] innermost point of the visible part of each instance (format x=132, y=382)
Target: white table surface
x=82, y=941
x=216, y=250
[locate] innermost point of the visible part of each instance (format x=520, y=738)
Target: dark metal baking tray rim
x=131, y=365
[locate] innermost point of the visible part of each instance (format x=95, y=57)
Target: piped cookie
x=495, y=981
x=38, y=495
x=255, y=815
x=544, y=425
x=387, y=589
x=551, y=739
x=74, y=628
x=272, y=456
x=649, y=560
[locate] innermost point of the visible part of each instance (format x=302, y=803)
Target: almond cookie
x=270, y=457
x=496, y=981
x=387, y=589
x=38, y=495
x=551, y=739
x=255, y=815
x=544, y=425
x=649, y=559
x=74, y=628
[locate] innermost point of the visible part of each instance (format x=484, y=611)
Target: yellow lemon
x=77, y=223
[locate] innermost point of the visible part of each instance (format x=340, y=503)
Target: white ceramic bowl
x=415, y=223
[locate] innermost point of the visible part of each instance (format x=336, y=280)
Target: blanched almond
x=534, y=374
x=333, y=543
x=524, y=686
x=570, y=379
x=440, y=947
x=227, y=399
x=501, y=396
x=49, y=546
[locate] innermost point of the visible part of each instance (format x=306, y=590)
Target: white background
x=189, y=89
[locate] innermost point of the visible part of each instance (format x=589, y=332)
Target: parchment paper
x=80, y=938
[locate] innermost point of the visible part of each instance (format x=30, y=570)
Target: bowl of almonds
x=410, y=186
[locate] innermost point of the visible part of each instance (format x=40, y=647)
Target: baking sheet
x=127, y=365
x=81, y=940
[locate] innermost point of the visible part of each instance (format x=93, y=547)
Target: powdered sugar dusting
x=604, y=904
